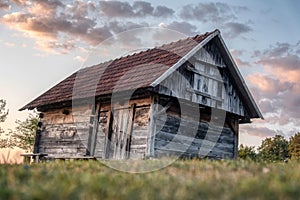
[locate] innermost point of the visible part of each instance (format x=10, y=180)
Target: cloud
x=236, y=56
x=81, y=9
x=56, y=47
x=262, y=132
x=282, y=61
x=34, y=26
x=221, y=14
x=20, y=2
x=4, y=5
x=52, y=22
x=266, y=105
x=268, y=86
x=163, y=11
x=239, y=9
x=284, y=67
x=278, y=91
x=142, y=8
x=28, y=24
x=208, y=12
x=117, y=27
x=278, y=50
x=137, y=9
x=116, y=9
x=182, y=27
x=234, y=29
x=278, y=99
x=96, y=35
x=45, y=7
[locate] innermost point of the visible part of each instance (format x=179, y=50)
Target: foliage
x=274, y=149
x=3, y=115
x=247, y=153
x=191, y=179
x=24, y=134
x=294, y=146
x=3, y=111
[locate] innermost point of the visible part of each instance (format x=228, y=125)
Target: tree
x=3, y=115
x=24, y=134
x=247, y=153
x=294, y=147
x=274, y=149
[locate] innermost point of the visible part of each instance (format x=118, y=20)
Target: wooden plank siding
x=65, y=134
x=179, y=135
x=153, y=131
x=102, y=131
x=204, y=80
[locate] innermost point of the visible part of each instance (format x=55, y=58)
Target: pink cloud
x=278, y=99
x=267, y=85
x=4, y=5
x=28, y=24
x=285, y=68
x=237, y=54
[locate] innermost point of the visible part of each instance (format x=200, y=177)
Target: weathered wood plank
x=204, y=80
x=152, y=127
x=130, y=130
x=184, y=135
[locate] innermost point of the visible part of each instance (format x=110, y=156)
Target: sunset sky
x=44, y=41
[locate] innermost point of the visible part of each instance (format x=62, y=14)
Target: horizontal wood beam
x=205, y=95
x=203, y=74
x=209, y=64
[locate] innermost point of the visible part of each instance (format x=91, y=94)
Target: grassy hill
x=192, y=179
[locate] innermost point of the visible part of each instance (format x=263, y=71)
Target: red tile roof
x=131, y=72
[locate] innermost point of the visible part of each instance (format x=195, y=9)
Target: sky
x=44, y=41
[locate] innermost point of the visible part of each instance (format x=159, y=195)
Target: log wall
x=179, y=135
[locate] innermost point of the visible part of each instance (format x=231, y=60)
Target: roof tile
x=131, y=72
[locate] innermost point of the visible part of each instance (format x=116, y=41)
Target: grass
x=192, y=179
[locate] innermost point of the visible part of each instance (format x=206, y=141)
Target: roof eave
x=249, y=95
x=214, y=34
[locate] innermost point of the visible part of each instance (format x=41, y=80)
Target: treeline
x=272, y=149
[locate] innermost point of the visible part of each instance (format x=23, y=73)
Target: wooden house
x=186, y=99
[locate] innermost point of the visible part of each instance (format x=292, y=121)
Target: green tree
x=3, y=115
x=274, y=149
x=247, y=153
x=24, y=134
x=294, y=147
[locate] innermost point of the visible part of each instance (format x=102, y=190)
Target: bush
x=274, y=149
x=294, y=147
x=247, y=153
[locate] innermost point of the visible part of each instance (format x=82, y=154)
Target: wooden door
x=119, y=137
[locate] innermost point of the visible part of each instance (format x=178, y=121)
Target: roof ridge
x=153, y=48
x=161, y=58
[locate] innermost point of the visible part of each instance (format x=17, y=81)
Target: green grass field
x=191, y=179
